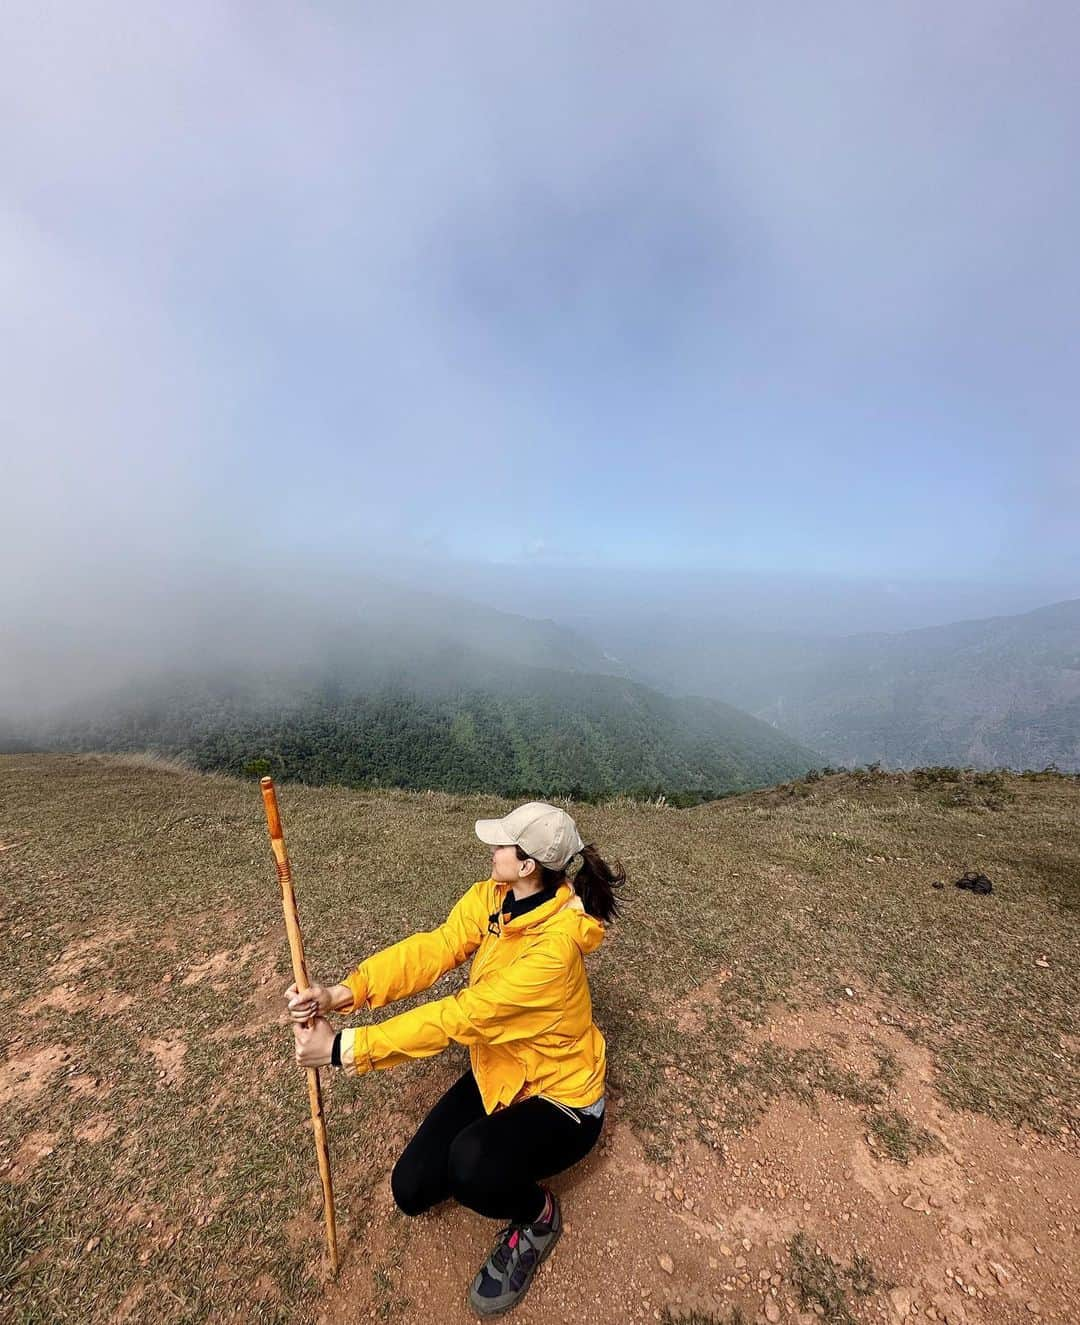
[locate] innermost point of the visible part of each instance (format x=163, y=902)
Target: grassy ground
x=142, y=955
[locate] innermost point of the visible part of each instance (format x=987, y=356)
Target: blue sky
x=774, y=290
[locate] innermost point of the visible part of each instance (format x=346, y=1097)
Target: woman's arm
x=417, y=962
x=518, y=1002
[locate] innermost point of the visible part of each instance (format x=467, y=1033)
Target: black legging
x=490, y=1163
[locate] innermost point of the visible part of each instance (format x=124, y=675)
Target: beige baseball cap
x=542, y=831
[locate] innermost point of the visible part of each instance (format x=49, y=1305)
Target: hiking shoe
x=508, y=1271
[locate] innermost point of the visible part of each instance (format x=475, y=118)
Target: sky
x=790, y=293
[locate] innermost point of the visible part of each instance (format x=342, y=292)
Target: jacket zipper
x=478, y=967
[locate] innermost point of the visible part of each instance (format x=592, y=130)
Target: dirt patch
x=83, y=1084
x=95, y=1129
x=63, y=998
x=67, y=998
x=86, y=954
x=215, y=970
x=156, y=1233
x=130, y=1304
x=169, y=1056
x=33, y=1148
x=265, y=1290
x=26, y=1072
x=689, y=1012
x=303, y=1230
x=266, y=1004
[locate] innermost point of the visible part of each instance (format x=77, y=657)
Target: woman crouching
x=532, y=1102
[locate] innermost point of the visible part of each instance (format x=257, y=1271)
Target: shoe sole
x=501, y=1311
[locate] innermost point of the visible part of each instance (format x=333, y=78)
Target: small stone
x=725, y=1250
x=740, y=1261
x=91, y=1244
x=772, y=1311
x=900, y=1301
x=747, y=1244
x=1032, y=1305
x=680, y=1195
x=666, y=1263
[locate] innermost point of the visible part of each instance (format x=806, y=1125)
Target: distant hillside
x=1003, y=692
x=451, y=720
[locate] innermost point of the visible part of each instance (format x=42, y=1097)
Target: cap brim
x=493, y=833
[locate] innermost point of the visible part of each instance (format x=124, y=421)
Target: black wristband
x=335, y=1052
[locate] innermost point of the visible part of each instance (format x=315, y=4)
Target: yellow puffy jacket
x=526, y=1014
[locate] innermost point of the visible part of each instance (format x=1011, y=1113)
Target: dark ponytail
x=595, y=882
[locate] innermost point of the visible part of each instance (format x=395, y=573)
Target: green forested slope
x=513, y=730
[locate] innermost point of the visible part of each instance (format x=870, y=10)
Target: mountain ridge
x=990, y=692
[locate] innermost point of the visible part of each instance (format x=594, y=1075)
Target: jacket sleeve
x=417, y=962
x=518, y=1002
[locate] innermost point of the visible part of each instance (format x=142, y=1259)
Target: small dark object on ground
x=937, y=884
x=976, y=883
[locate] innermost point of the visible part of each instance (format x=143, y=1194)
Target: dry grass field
x=836, y=1092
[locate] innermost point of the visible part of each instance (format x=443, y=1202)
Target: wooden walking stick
x=300, y=975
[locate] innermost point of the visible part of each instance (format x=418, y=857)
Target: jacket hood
x=564, y=913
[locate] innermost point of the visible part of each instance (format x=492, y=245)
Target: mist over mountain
x=362, y=677
x=1004, y=691
x=78, y=644
x=612, y=603
x=368, y=682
